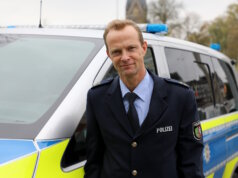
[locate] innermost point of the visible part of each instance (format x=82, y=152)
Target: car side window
x=76, y=149
x=219, y=108
x=149, y=61
x=189, y=68
x=227, y=85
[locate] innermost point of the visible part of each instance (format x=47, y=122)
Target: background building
x=136, y=10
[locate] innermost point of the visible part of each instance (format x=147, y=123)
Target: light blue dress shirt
x=144, y=92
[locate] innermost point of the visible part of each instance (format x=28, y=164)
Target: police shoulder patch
x=103, y=82
x=176, y=82
x=197, y=130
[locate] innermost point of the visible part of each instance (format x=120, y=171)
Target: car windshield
x=35, y=70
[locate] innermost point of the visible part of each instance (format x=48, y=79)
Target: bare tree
x=164, y=11
x=202, y=36
x=191, y=23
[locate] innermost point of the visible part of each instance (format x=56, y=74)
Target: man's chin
x=129, y=73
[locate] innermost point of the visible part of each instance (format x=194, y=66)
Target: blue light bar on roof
x=215, y=46
x=157, y=28
x=11, y=26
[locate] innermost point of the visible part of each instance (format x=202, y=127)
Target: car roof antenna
x=40, y=25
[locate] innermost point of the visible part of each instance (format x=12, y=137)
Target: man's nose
x=125, y=55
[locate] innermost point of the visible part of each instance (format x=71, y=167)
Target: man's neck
x=133, y=81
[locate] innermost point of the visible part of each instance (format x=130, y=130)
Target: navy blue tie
x=132, y=113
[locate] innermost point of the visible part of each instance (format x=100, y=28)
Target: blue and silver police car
x=45, y=74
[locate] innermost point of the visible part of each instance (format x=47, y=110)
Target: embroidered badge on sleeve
x=197, y=130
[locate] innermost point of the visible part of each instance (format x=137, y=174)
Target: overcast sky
x=65, y=12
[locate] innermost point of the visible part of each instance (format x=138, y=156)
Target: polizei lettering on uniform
x=164, y=129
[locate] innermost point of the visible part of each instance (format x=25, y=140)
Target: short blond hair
x=119, y=25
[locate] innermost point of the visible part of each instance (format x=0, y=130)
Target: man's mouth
x=126, y=65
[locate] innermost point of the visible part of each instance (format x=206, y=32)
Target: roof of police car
x=98, y=33
x=81, y=32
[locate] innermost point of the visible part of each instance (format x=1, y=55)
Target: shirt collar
x=139, y=90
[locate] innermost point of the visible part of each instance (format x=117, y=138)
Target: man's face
x=126, y=52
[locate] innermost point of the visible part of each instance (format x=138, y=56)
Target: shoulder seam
x=102, y=83
x=176, y=82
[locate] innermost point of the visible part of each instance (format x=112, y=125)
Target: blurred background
x=201, y=21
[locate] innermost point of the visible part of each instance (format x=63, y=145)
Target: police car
x=45, y=74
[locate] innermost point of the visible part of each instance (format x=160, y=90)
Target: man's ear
x=144, y=46
x=108, y=53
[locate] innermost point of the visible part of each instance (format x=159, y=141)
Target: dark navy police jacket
x=165, y=145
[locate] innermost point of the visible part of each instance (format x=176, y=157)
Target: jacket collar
x=157, y=105
x=115, y=103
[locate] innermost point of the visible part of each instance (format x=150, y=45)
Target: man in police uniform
x=140, y=125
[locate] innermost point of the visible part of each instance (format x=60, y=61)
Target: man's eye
x=114, y=53
x=132, y=48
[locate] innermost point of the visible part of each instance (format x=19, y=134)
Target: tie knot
x=131, y=97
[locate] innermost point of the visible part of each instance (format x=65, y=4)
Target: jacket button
x=134, y=144
x=134, y=172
